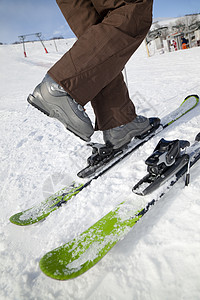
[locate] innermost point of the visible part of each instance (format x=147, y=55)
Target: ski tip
x=193, y=99
x=193, y=95
x=188, y=104
x=17, y=220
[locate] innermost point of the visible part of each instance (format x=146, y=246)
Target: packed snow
x=160, y=256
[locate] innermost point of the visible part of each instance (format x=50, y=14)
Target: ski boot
x=122, y=135
x=51, y=99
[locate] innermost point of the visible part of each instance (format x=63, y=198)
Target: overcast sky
x=18, y=17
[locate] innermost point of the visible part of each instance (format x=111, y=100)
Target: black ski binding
x=101, y=155
x=165, y=162
x=99, y=152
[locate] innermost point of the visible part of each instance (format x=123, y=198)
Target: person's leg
x=112, y=106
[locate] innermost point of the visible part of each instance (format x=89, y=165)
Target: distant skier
x=108, y=34
x=184, y=42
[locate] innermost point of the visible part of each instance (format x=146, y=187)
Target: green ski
x=79, y=255
x=41, y=210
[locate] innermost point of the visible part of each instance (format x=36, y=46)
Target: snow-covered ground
x=160, y=257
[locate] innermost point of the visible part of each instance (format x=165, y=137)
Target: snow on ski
x=79, y=255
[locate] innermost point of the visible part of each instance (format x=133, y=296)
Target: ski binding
x=166, y=160
x=102, y=154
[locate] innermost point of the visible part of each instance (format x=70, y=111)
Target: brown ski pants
x=109, y=32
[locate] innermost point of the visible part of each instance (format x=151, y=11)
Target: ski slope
x=160, y=257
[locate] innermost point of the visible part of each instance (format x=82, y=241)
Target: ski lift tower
x=38, y=35
x=22, y=39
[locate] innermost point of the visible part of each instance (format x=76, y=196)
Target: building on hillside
x=173, y=37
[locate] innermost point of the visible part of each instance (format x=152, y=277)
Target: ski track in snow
x=160, y=256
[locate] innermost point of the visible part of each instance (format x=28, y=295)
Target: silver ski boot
x=122, y=135
x=51, y=99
